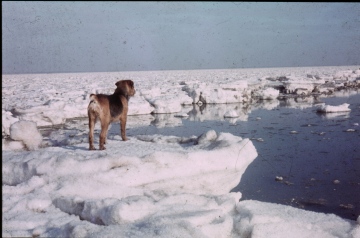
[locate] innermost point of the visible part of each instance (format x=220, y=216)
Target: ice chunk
x=27, y=132
x=267, y=94
x=139, y=106
x=272, y=220
x=328, y=108
x=7, y=119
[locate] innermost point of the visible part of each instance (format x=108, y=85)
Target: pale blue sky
x=53, y=37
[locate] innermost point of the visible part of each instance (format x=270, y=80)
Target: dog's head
x=125, y=87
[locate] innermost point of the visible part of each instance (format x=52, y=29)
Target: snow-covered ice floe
x=147, y=186
x=150, y=185
x=334, y=109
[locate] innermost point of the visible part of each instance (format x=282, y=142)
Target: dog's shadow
x=75, y=147
x=79, y=147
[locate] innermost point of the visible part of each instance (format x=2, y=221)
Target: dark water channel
x=306, y=159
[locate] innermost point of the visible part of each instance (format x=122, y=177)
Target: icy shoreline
x=153, y=185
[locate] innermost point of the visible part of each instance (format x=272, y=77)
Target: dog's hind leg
x=103, y=134
x=92, y=120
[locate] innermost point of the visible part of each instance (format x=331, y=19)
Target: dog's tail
x=94, y=104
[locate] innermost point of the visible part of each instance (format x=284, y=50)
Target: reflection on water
x=334, y=115
x=216, y=112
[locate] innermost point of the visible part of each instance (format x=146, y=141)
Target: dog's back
x=104, y=104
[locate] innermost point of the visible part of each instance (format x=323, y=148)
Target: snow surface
x=150, y=185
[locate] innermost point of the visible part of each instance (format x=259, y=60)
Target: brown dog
x=109, y=108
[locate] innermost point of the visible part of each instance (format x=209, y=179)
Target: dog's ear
x=130, y=83
x=127, y=81
x=121, y=87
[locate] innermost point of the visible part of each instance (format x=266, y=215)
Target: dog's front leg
x=123, y=128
